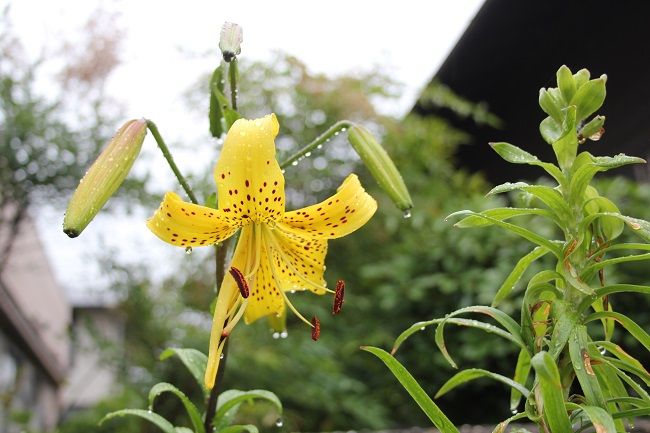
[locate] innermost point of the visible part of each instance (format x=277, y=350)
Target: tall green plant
x=570, y=373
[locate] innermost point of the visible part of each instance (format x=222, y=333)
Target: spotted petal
x=344, y=212
x=189, y=225
x=249, y=180
x=265, y=298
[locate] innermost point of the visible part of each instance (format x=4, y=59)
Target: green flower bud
x=104, y=177
x=594, y=129
x=230, y=41
x=381, y=166
x=566, y=83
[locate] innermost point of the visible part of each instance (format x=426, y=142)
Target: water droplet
x=320, y=146
x=283, y=171
x=407, y=214
x=221, y=356
x=307, y=155
x=336, y=133
x=294, y=163
x=344, y=129
x=284, y=334
x=514, y=411
x=188, y=250
x=279, y=422
x=603, y=351
x=276, y=335
x=422, y=328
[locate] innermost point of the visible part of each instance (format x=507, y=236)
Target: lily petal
x=299, y=259
x=249, y=180
x=265, y=298
x=189, y=225
x=344, y=212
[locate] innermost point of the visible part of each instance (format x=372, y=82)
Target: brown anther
x=315, y=330
x=240, y=280
x=338, y=296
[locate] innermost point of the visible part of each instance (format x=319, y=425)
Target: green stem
x=323, y=138
x=170, y=160
x=233, y=73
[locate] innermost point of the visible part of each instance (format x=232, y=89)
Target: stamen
x=228, y=329
x=241, y=281
x=338, y=296
x=315, y=330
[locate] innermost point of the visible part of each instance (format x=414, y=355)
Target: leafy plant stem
x=321, y=139
x=170, y=160
x=233, y=73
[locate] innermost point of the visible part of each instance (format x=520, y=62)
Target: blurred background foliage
x=397, y=271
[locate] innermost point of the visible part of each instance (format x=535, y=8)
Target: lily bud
x=381, y=166
x=104, y=177
x=594, y=129
x=230, y=41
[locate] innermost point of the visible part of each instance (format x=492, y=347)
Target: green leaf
x=565, y=321
x=506, y=187
x=229, y=402
x=635, y=330
x=193, y=360
x=608, y=290
x=230, y=116
x=501, y=214
x=550, y=129
x=434, y=413
x=581, y=361
x=421, y=326
x=566, y=83
x=152, y=417
x=475, y=373
x=600, y=418
x=566, y=147
x=589, y=97
x=550, y=104
x=617, y=351
x=516, y=273
x=609, y=162
x=440, y=342
x=551, y=198
x=551, y=390
x=218, y=103
x=581, y=77
x=250, y=428
x=515, y=155
x=192, y=411
x=501, y=427
x=525, y=233
x=522, y=370
x=641, y=392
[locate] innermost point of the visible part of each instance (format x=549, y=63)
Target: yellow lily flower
x=277, y=251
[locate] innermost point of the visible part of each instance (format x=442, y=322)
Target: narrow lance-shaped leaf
x=432, y=411
x=192, y=411
x=522, y=370
x=551, y=388
x=516, y=273
x=475, y=373
x=583, y=369
x=193, y=360
x=152, y=417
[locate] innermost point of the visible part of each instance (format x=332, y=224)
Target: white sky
x=409, y=38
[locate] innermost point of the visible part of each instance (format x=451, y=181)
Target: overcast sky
x=409, y=38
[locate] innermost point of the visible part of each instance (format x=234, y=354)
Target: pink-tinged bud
x=339, y=293
x=315, y=328
x=230, y=41
x=241, y=282
x=104, y=177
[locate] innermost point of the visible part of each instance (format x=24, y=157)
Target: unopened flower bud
x=381, y=166
x=594, y=129
x=104, y=177
x=230, y=41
